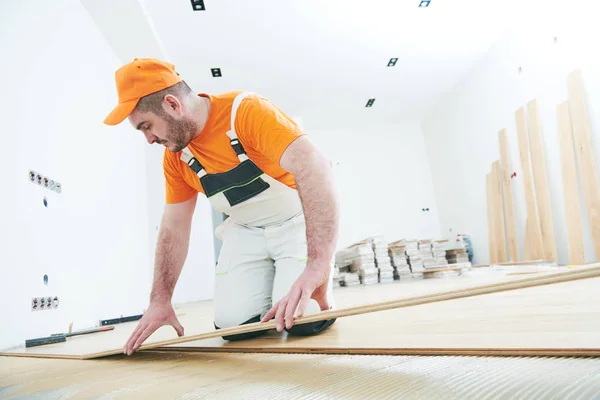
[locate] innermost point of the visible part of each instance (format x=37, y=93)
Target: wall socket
x=44, y=303
x=44, y=181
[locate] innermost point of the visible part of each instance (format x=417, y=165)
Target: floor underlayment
x=285, y=376
x=550, y=320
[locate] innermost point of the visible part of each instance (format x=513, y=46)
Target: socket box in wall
x=44, y=181
x=44, y=303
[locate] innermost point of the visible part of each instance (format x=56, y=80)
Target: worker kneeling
x=255, y=165
x=256, y=269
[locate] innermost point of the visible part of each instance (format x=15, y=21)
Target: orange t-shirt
x=263, y=129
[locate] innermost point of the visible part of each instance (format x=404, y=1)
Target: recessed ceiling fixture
x=216, y=72
x=198, y=5
x=370, y=103
x=392, y=62
x=424, y=3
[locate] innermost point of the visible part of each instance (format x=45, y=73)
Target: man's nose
x=150, y=138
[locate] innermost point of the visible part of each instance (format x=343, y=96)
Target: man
x=255, y=165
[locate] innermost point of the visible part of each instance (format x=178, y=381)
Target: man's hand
x=157, y=315
x=312, y=284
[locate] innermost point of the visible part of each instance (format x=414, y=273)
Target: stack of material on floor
x=414, y=257
x=397, y=252
x=426, y=251
x=361, y=261
x=382, y=259
x=348, y=278
x=439, y=252
x=457, y=256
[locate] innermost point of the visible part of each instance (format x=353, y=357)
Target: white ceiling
x=320, y=60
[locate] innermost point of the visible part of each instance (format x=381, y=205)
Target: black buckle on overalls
x=195, y=165
x=237, y=146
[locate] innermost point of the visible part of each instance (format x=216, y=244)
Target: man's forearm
x=314, y=179
x=171, y=252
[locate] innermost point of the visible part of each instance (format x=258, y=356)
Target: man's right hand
x=157, y=315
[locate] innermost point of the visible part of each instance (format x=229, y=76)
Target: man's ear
x=172, y=106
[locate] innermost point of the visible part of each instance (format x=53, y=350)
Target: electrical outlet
x=44, y=181
x=44, y=303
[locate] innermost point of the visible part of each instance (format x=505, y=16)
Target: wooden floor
x=557, y=319
x=562, y=316
x=153, y=375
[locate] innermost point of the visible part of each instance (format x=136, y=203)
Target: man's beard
x=180, y=132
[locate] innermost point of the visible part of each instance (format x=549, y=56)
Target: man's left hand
x=312, y=284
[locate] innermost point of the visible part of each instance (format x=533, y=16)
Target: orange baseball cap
x=137, y=79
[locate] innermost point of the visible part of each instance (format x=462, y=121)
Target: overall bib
x=264, y=240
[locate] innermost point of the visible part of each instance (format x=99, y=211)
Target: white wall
x=383, y=180
x=93, y=239
x=461, y=131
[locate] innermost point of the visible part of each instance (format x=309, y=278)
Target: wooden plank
x=498, y=213
x=496, y=323
x=540, y=174
x=526, y=247
x=585, y=154
x=533, y=231
x=507, y=196
x=570, y=189
x=465, y=288
x=490, y=217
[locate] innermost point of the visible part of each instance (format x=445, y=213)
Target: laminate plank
x=490, y=217
x=507, y=196
x=498, y=214
x=585, y=154
x=540, y=173
x=570, y=188
x=561, y=319
x=535, y=247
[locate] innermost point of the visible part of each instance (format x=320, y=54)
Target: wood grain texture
x=535, y=247
x=557, y=319
x=570, y=187
x=409, y=294
x=498, y=213
x=490, y=217
x=582, y=139
x=186, y=376
x=540, y=176
x=507, y=197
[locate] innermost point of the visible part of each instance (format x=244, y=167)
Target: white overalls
x=264, y=240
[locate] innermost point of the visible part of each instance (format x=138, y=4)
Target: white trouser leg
x=244, y=276
x=287, y=246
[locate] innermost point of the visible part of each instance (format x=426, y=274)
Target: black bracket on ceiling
x=198, y=5
x=424, y=3
x=370, y=103
x=216, y=72
x=392, y=62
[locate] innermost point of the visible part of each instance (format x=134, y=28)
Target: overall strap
x=193, y=163
x=235, y=143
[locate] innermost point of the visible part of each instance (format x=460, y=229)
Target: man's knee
x=247, y=335
x=310, y=328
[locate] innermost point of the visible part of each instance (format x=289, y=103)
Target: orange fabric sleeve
x=177, y=189
x=268, y=129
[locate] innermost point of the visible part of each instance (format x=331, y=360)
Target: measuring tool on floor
x=62, y=337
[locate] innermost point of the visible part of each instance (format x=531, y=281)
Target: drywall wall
x=532, y=61
x=383, y=181
x=92, y=239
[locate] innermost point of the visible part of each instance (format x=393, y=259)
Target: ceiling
x=319, y=60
